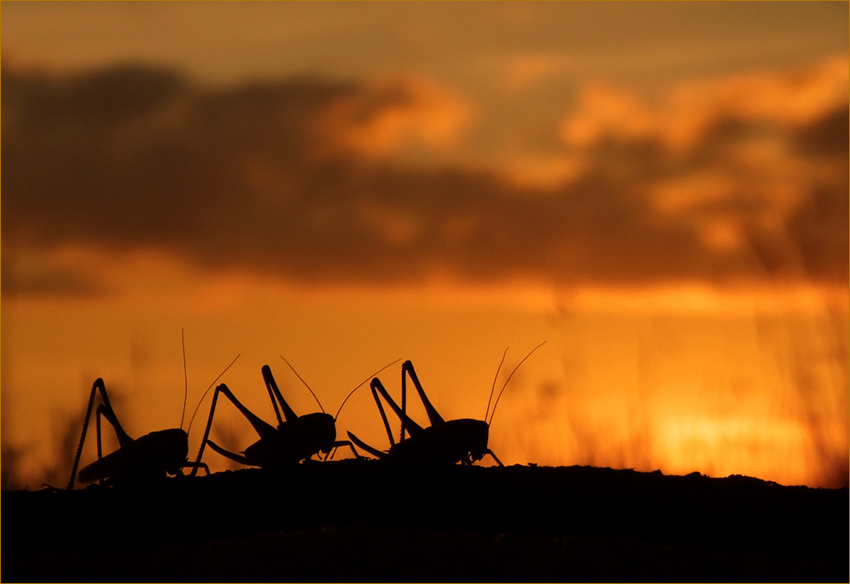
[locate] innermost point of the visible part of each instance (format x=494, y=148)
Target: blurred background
x=659, y=190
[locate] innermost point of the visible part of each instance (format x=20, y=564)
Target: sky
x=657, y=190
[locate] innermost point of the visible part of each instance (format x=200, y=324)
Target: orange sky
x=657, y=189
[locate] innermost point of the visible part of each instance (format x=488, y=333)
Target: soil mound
x=356, y=520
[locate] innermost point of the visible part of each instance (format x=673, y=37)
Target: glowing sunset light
x=346, y=184
x=391, y=115
x=711, y=391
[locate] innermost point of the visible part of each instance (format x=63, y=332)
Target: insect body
x=295, y=438
x=444, y=441
x=150, y=457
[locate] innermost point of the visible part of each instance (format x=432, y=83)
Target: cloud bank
x=314, y=180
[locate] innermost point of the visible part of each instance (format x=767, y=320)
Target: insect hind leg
x=107, y=411
x=407, y=370
x=412, y=427
x=376, y=386
x=263, y=429
x=109, y=414
x=195, y=466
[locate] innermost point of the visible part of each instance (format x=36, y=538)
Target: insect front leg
x=493, y=454
x=336, y=445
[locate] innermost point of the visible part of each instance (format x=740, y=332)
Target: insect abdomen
x=108, y=466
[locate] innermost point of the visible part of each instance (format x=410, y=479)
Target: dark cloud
x=827, y=136
x=34, y=279
x=245, y=177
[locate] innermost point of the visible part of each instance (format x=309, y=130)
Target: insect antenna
x=192, y=419
x=305, y=384
x=508, y=379
x=359, y=385
x=185, y=378
x=499, y=368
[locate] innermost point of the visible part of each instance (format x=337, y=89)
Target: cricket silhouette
x=294, y=439
x=136, y=461
x=444, y=442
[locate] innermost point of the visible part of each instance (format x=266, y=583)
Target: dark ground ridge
x=367, y=520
